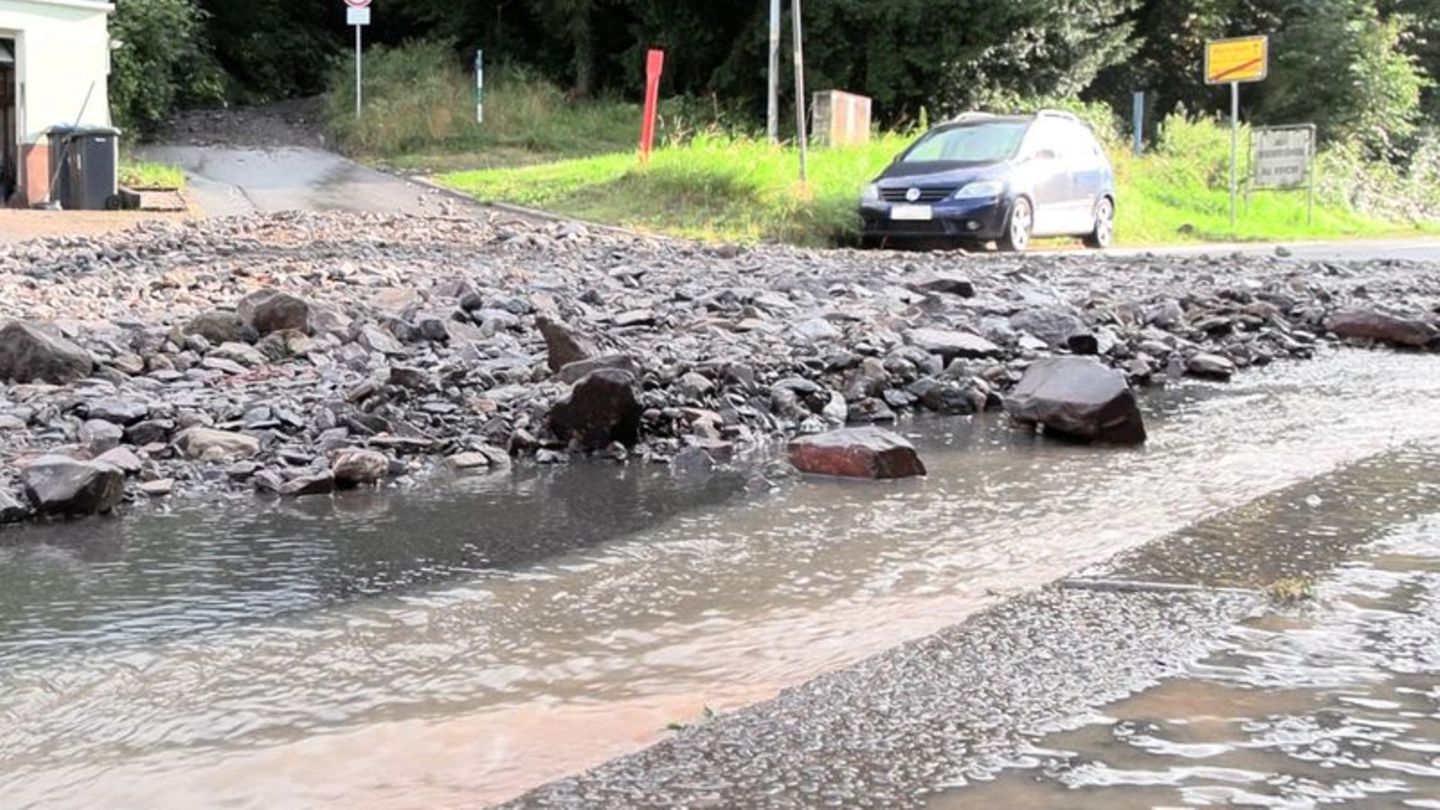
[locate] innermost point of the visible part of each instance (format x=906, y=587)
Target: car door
x=1050, y=181
x=1086, y=164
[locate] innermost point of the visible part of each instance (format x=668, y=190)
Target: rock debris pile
x=300, y=353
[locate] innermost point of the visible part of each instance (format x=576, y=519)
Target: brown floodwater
x=460, y=644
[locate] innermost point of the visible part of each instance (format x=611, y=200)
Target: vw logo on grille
x=913, y=194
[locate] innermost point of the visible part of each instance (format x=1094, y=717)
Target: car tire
x=1104, y=231
x=1018, y=227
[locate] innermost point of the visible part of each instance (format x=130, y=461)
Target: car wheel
x=1022, y=223
x=1104, y=232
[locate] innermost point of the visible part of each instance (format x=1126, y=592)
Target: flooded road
x=1336, y=702
x=466, y=643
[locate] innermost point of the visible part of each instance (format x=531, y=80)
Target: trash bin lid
x=69, y=132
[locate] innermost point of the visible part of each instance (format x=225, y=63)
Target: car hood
x=941, y=174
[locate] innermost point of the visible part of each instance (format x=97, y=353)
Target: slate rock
x=30, y=353
x=12, y=509
x=941, y=282
x=574, y=372
x=209, y=444
x=354, y=467
x=270, y=310
x=860, y=452
x=563, y=344
x=220, y=327
x=60, y=485
x=123, y=412
x=1379, y=326
x=602, y=408
x=950, y=344
x=1079, y=398
x=1210, y=366
x=315, y=483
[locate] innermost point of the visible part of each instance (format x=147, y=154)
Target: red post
x=654, y=66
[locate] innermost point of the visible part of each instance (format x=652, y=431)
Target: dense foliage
x=1361, y=69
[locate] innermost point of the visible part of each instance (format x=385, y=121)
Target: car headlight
x=871, y=192
x=981, y=190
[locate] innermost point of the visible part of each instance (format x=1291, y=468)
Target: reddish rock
x=1370, y=325
x=865, y=452
x=1080, y=398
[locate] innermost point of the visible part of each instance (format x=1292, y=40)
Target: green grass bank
x=744, y=190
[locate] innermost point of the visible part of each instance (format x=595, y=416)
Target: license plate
x=912, y=213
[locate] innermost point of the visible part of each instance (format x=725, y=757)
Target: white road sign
x=357, y=16
x=1280, y=156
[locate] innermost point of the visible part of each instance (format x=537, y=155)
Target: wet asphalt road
x=226, y=181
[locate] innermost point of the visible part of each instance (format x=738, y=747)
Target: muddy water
x=464, y=644
x=1333, y=703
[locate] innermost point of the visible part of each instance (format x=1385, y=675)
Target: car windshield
x=988, y=142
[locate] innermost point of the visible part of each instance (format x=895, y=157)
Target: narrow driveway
x=225, y=180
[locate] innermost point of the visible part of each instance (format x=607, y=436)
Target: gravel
x=427, y=338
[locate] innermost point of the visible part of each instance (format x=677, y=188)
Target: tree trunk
x=584, y=52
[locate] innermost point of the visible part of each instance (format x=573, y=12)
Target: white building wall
x=62, y=50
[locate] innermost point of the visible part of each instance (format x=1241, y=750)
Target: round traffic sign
x=357, y=3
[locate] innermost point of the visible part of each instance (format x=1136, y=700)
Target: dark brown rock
x=30, y=353
x=1371, y=325
x=863, y=452
x=563, y=344
x=271, y=311
x=602, y=408
x=1078, y=397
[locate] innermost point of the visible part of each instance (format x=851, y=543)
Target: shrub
x=162, y=63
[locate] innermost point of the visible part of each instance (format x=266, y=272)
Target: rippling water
x=463, y=644
x=1334, y=704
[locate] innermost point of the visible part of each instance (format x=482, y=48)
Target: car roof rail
x=973, y=115
x=1068, y=116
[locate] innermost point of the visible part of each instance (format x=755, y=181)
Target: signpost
x=654, y=67
x=357, y=13
x=1232, y=61
x=1284, y=158
x=479, y=87
x=800, y=134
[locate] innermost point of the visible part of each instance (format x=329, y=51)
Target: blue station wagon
x=995, y=178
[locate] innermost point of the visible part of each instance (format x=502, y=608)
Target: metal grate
x=928, y=194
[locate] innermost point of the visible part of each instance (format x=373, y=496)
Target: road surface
x=224, y=181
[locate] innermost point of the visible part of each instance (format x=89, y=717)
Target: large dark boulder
x=59, y=485
x=1078, y=397
x=563, y=344
x=863, y=452
x=1371, y=325
x=603, y=408
x=270, y=310
x=30, y=353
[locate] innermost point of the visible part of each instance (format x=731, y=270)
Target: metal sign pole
x=479, y=86
x=1137, y=117
x=799, y=85
x=772, y=117
x=357, y=72
x=1234, y=148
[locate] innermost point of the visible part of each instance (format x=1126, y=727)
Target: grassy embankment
x=539, y=149
x=143, y=174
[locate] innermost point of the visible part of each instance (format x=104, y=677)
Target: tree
x=162, y=62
